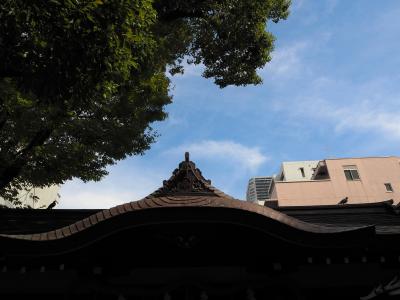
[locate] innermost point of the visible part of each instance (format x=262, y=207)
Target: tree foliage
x=81, y=81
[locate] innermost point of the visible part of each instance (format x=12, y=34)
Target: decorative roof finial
x=186, y=180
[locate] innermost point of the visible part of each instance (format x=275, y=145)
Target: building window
x=388, y=187
x=302, y=172
x=351, y=173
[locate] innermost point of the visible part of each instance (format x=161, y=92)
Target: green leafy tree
x=82, y=81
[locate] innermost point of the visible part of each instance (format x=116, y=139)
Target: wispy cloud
x=123, y=184
x=249, y=158
x=296, y=5
x=358, y=104
x=80, y=196
x=286, y=61
x=353, y=114
x=368, y=107
x=365, y=118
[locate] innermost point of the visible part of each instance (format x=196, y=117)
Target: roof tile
x=25, y=236
x=86, y=222
x=134, y=205
x=66, y=231
x=114, y=211
x=127, y=207
x=107, y=214
x=43, y=236
x=100, y=216
x=59, y=234
x=73, y=228
x=36, y=237
x=157, y=201
x=140, y=203
x=51, y=235
x=121, y=208
x=80, y=225
x=93, y=219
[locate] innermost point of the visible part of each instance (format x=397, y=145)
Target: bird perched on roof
x=52, y=204
x=344, y=200
x=394, y=209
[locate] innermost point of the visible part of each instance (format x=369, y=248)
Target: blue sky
x=332, y=89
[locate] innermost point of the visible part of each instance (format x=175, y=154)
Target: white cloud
x=249, y=158
x=365, y=107
x=286, y=61
x=76, y=194
x=127, y=181
x=369, y=118
x=81, y=197
x=349, y=115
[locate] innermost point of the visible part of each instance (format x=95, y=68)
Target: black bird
x=344, y=200
x=52, y=204
x=394, y=209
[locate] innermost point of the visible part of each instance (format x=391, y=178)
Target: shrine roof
x=187, y=192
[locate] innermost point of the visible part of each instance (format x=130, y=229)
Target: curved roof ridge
x=180, y=201
x=186, y=188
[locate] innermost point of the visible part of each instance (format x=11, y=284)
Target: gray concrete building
x=258, y=189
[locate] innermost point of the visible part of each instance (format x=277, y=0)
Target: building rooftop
x=188, y=234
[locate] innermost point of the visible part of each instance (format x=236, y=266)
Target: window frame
x=351, y=173
x=388, y=184
x=303, y=173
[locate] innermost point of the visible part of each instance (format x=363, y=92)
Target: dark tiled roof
x=186, y=188
x=177, y=201
x=383, y=215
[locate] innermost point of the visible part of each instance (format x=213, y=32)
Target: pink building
x=350, y=180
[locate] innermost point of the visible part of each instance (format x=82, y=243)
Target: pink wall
x=373, y=171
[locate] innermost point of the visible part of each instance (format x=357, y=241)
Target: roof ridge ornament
x=187, y=156
x=186, y=180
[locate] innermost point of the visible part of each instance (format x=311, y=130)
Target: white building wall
x=45, y=197
x=297, y=170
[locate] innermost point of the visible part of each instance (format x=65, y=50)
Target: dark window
x=351, y=173
x=354, y=174
x=347, y=173
x=302, y=172
x=388, y=187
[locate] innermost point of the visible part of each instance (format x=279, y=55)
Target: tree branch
x=39, y=138
x=180, y=14
x=13, y=170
